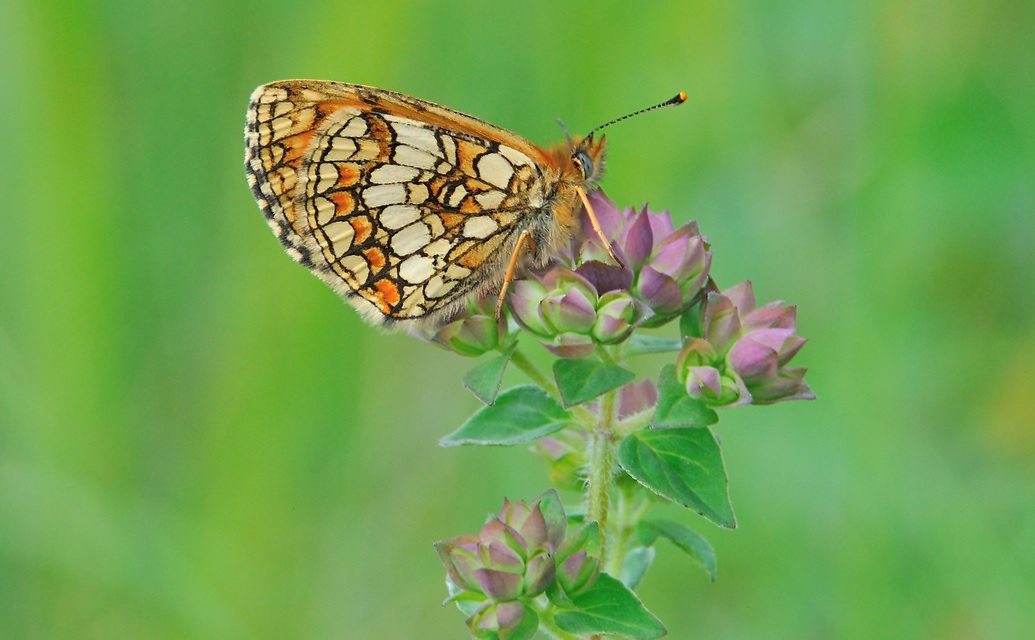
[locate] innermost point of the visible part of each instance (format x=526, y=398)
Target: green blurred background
x=199, y=440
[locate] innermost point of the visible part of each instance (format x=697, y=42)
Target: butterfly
x=407, y=208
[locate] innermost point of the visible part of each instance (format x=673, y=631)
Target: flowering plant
x=627, y=445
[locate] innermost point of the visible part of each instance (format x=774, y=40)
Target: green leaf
x=521, y=414
x=609, y=607
x=485, y=379
x=635, y=565
x=677, y=409
x=640, y=344
x=583, y=379
x=683, y=465
x=685, y=538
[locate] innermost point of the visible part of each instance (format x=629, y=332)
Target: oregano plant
x=623, y=444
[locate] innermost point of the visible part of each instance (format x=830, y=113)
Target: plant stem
x=602, y=456
x=631, y=507
x=527, y=367
x=613, y=564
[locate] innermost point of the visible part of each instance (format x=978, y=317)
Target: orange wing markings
x=466, y=154
x=451, y=220
x=470, y=206
x=375, y=258
x=384, y=294
x=348, y=174
x=363, y=226
x=343, y=203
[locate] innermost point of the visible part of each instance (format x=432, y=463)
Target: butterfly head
x=587, y=156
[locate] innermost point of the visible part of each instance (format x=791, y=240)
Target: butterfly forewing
x=403, y=206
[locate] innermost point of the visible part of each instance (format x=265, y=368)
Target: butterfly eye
x=584, y=163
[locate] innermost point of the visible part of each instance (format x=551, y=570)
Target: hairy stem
x=603, y=448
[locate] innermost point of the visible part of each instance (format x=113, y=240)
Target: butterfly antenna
x=679, y=98
x=567, y=134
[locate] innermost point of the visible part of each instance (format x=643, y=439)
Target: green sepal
x=468, y=602
x=690, y=324
x=526, y=630
x=587, y=538
x=553, y=514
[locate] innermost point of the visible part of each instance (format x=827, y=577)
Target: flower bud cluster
x=580, y=303
x=572, y=311
x=668, y=265
x=516, y=557
x=742, y=353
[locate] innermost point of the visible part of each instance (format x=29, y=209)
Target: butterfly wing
x=404, y=207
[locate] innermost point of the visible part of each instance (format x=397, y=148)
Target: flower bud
x=523, y=300
x=565, y=456
x=637, y=239
x=578, y=560
x=473, y=332
x=616, y=315
x=504, y=621
x=570, y=307
x=470, y=335
x=660, y=291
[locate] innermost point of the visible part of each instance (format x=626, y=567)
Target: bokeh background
x=199, y=440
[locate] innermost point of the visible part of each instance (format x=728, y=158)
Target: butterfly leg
x=523, y=239
x=596, y=227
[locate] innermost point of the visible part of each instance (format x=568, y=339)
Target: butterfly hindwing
x=403, y=206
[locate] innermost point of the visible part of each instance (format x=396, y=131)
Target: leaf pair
x=678, y=459
x=578, y=380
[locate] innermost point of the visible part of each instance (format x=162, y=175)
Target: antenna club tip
x=681, y=97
